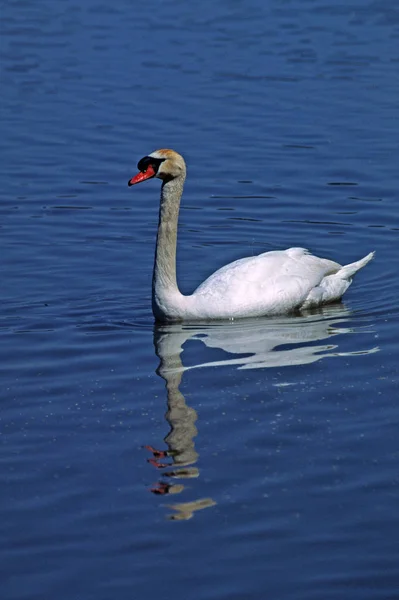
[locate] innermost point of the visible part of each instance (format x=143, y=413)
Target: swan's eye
x=149, y=161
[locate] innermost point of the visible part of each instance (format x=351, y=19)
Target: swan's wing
x=272, y=282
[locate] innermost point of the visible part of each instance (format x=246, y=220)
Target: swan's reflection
x=255, y=343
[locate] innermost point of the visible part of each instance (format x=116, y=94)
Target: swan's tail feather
x=348, y=271
x=333, y=287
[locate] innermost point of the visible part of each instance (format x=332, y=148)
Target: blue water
x=244, y=460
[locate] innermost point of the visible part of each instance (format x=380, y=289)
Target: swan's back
x=272, y=283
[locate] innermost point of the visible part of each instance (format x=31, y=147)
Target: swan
x=272, y=283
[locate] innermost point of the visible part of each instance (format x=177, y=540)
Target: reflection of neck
x=180, y=417
x=164, y=284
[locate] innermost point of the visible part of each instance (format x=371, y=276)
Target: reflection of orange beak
x=142, y=176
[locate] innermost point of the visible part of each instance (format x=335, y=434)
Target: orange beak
x=142, y=176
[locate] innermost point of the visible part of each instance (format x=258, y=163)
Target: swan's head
x=164, y=164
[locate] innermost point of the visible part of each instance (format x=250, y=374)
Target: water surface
x=251, y=459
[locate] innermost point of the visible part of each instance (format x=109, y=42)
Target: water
x=241, y=460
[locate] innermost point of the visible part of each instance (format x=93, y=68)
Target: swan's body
x=272, y=283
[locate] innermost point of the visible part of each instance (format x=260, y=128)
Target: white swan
x=272, y=283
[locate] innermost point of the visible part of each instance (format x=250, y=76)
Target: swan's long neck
x=165, y=292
